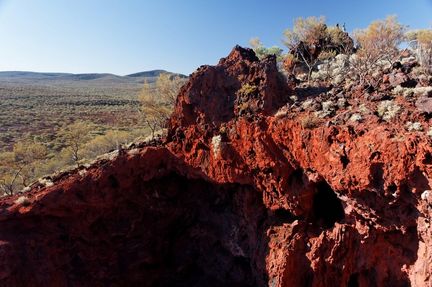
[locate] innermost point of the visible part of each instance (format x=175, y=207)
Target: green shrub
x=247, y=89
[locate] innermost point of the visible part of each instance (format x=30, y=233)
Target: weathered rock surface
x=424, y=104
x=241, y=193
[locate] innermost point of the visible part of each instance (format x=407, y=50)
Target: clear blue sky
x=126, y=36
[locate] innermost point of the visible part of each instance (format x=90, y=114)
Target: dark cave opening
x=353, y=280
x=167, y=231
x=327, y=208
x=282, y=215
x=427, y=159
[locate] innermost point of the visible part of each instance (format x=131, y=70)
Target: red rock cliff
x=244, y=191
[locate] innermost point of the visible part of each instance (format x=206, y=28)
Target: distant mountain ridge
x=152, y=73
x=36, y=77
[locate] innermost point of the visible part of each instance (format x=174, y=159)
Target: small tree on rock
x=304, y=40
x=261, y=51
x=157, y=102
x=376, y=46
x=339, y=41
x=27, y=156
x=9, y=173
x=311, y=42
x=18, y=167
x=421, y=43
x=74, y=136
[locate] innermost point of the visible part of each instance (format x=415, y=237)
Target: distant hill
x=151, y=76
x=153, y=73
x=24, y=77
x=30, y=75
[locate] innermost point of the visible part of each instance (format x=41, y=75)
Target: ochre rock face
x=241, y=193
x=213, y=94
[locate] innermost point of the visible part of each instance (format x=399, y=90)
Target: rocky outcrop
x=239, y=84
x=248, y=189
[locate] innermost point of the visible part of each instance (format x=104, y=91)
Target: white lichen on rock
x=22, y=200
x=26, y=189
x=134, y=151
x=425, y=195
x=46, y=182
x=409, y=92
x=293, y=98
x=333, y=70
x=429, y=132
x=328, y=109
x=363, y=109
x=422, y=91
x=216, y=145
x=405, y=92
x=342, y=103
x=355, y=118
x=416, y=126
x=328, y=105
x=388, y=110
x=307, y=104
x=82, y=172
x=109, y=156
x=282, y=112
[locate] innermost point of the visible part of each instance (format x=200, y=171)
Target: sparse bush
x=421, y=43
x=388, y=110
x=341, y=42
x=310, y=122
x=157, y=103
x=311, y=42
x=423, y=91
x=342, y=103
x=112, y=139
x=62, y=160
x=262, y=52
x=168, y=87
x=9, y=183
x=380, y=40
x=74, y=137
x=28, y=155
x=304, y=38
x=326, y=55
x=247, y=89
x=19, y=166
x=398, y=90
x=334, y=69
x=377, y=46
